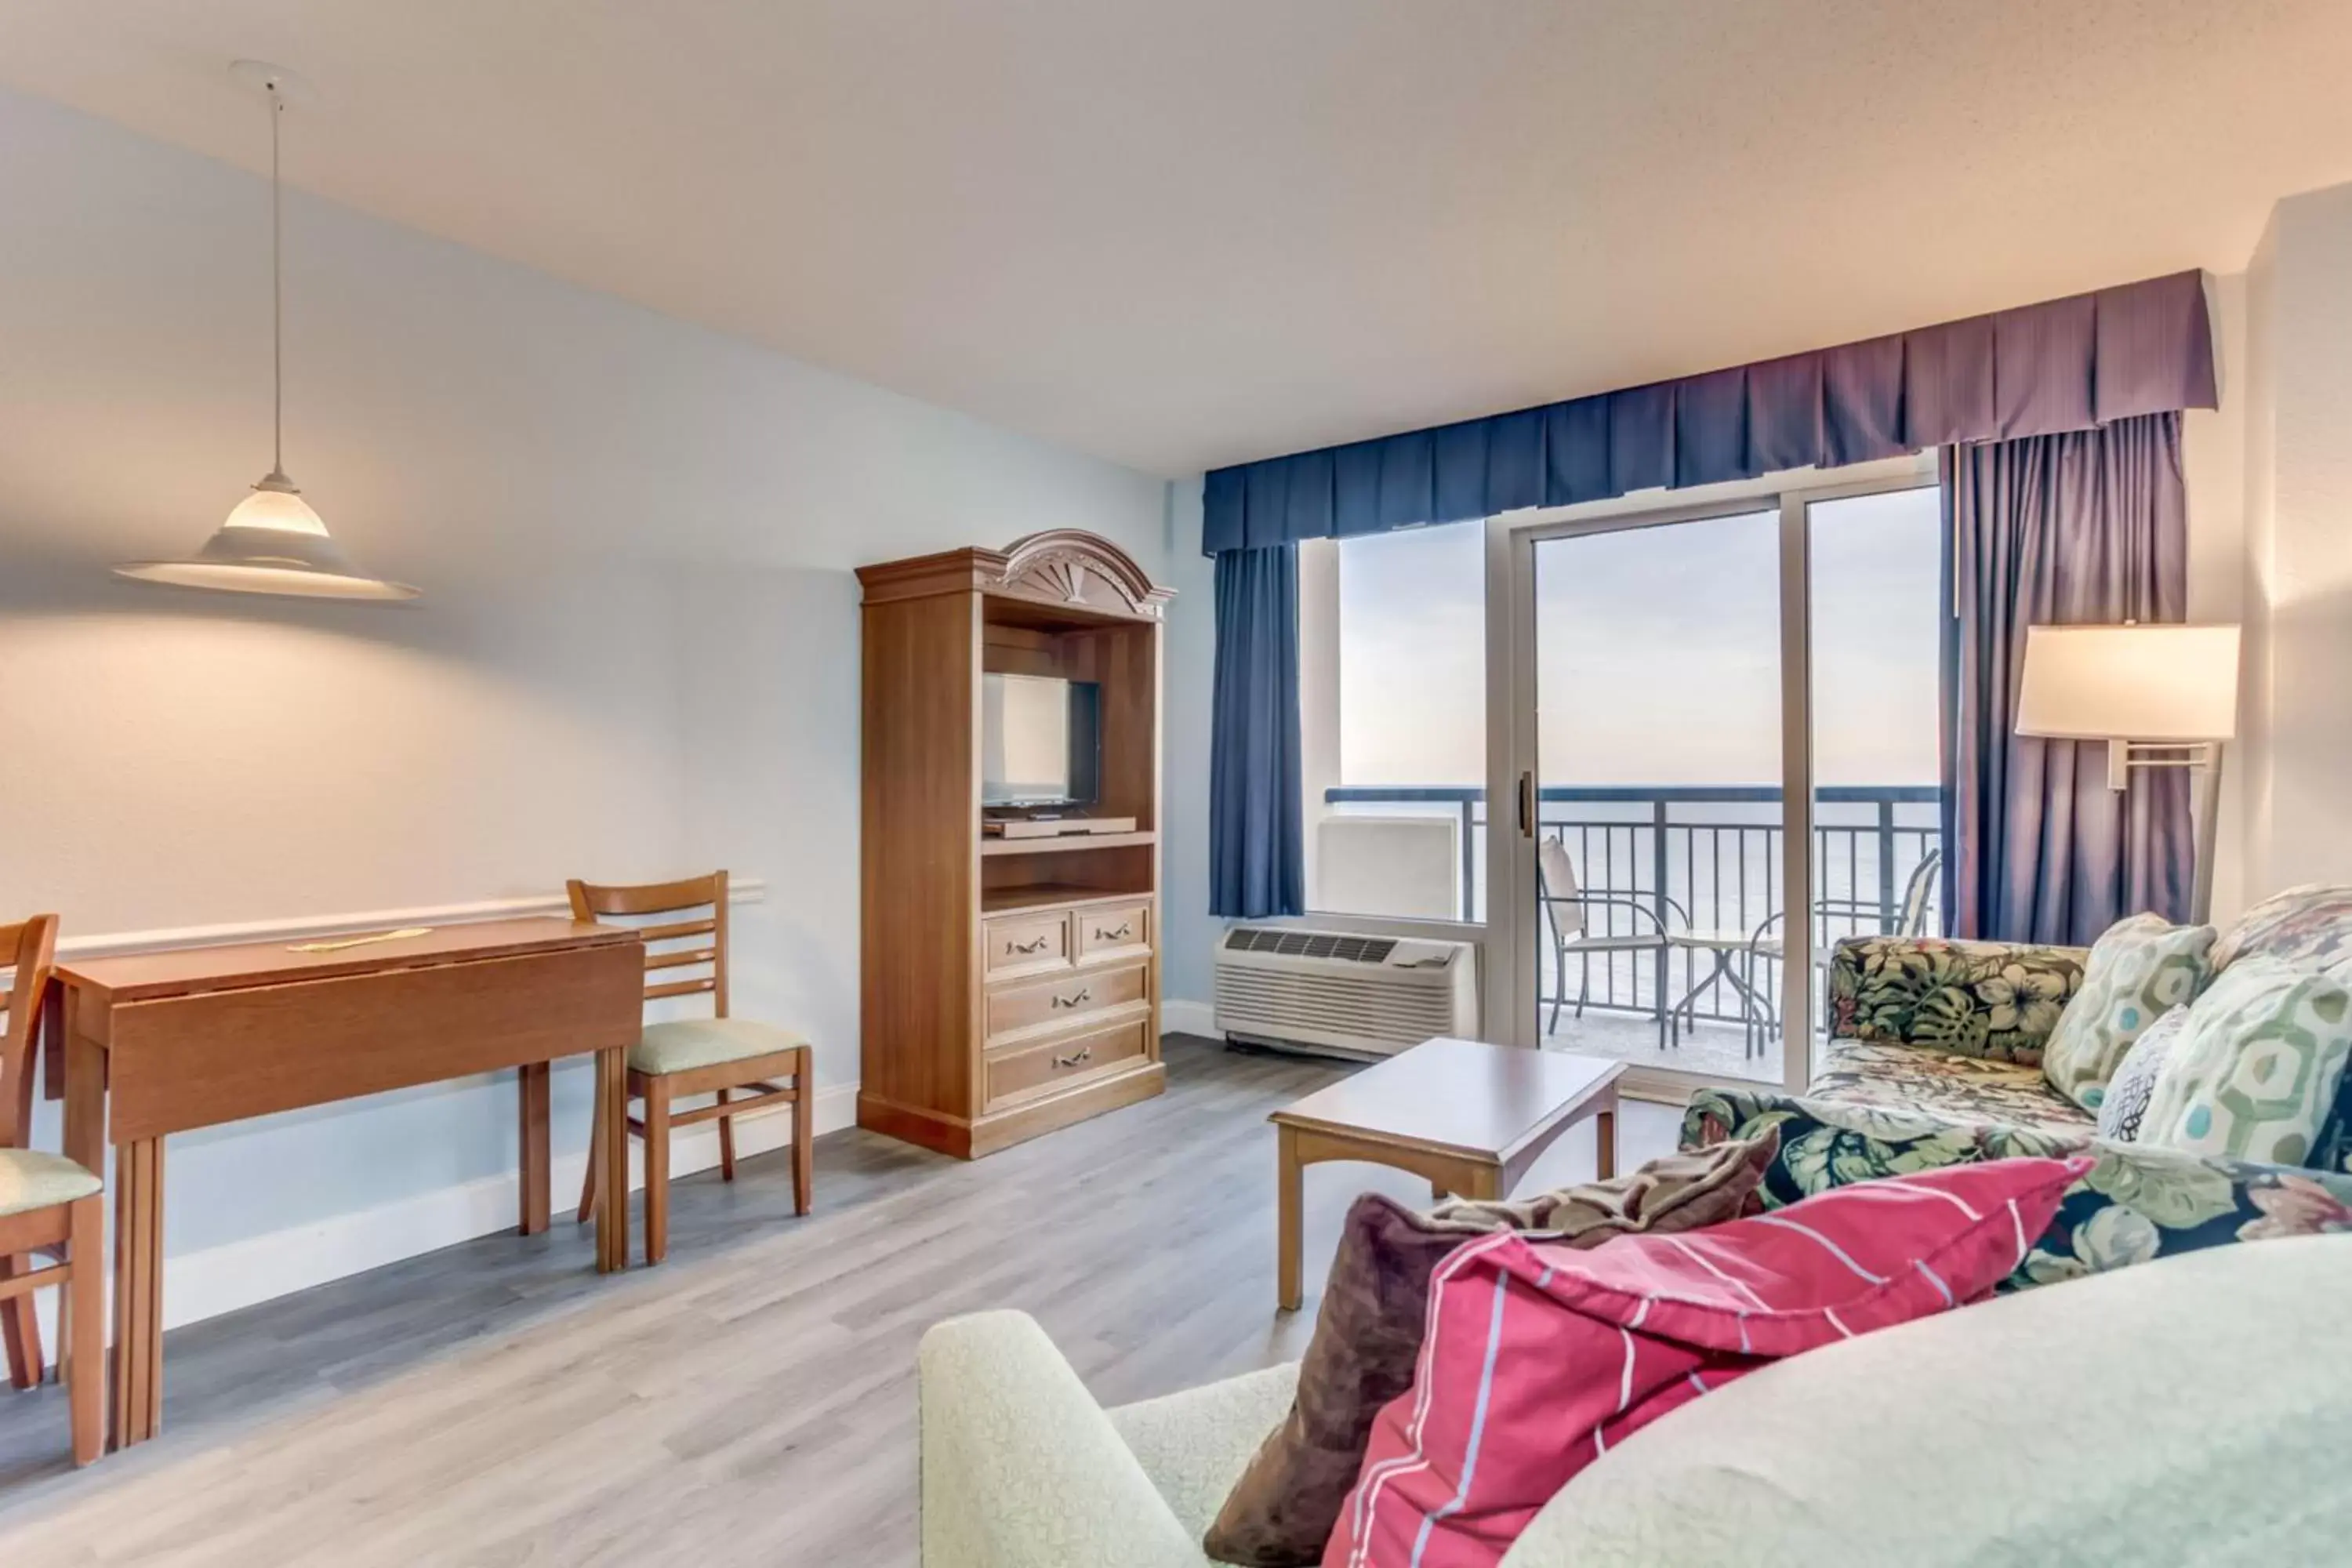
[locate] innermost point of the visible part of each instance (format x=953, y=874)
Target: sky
x=1658, y=651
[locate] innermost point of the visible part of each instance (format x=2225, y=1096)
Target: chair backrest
x=29, y=948
x=705, y=939
x=1917, y=893
x=1557, y=888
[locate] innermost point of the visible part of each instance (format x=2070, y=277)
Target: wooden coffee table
x=1468, y=1116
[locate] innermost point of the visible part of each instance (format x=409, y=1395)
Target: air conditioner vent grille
x=1310, y=944
x=1277, y=1002
x=1366, y=995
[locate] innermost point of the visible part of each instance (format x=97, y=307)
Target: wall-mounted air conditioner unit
x=1337, y=992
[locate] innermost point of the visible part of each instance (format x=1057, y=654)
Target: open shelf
x=1066, y=843
x=1039, y=895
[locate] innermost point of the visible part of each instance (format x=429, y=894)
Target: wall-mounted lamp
x=2160, y=696
x=272, y=543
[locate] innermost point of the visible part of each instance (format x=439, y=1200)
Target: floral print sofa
x=1935, y=1057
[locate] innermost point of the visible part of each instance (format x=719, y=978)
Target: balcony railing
x=1674, y=858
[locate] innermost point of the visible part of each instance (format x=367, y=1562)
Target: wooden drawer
x=1113, y=931
x=1066, y=1058
x=1025, y=943
x=1065, y=999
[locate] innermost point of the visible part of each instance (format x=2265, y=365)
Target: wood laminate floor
x=752, y=1399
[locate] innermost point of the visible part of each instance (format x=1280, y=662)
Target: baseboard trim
x=1188, y=1018
x=253, y=1270
x=116, y=944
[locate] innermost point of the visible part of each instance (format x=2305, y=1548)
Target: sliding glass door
x=1654, y=750
x=1875, y=580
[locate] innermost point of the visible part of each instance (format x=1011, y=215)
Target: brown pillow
x=1367, y=1333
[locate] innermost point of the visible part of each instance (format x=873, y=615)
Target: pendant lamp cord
x=277, y=302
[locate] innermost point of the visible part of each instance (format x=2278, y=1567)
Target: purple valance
x=2068, y=364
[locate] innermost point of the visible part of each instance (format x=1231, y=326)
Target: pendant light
x=272, y=543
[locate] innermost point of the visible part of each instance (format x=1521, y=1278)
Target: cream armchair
x=1021, y=1467
x=2027, y=1429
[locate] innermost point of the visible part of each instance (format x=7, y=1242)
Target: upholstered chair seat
x=686, y=1044
x=30, y=1179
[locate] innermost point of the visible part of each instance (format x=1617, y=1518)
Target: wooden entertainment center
x=1011, y=984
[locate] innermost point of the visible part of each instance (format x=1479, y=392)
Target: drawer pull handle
x=1075, y=1058
x=1122, y=935
x=1037, y=946
x=1079, y=1000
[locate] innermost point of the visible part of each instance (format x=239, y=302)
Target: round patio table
x=1757, y=1016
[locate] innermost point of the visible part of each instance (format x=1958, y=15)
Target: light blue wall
x=1191, y=656
x=636, y=655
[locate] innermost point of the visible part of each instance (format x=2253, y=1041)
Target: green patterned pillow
x=2257, y=1065
x=2139, y=969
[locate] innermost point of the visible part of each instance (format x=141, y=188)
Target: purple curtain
x=2086, y=527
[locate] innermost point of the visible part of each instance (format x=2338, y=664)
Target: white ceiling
x=1182, y=233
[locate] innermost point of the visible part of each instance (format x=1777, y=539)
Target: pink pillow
x=1538, y=1359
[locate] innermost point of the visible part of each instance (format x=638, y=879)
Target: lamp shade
x=283, y=510
x=272, y=543
x=2156, y=683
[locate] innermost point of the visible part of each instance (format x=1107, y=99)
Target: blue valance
x=2068, y=364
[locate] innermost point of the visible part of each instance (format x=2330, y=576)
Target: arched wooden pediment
x=1071, y=566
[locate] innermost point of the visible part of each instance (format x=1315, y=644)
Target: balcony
x=1648, y=860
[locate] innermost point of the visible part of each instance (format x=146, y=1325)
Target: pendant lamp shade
x=272, y=541
x=272, y=544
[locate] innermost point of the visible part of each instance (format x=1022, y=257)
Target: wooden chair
x=717, y=1056
x=49, y=1205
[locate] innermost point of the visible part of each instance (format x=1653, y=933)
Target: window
x=1392, y=696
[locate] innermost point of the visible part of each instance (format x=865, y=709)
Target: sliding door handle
x=1526, y=805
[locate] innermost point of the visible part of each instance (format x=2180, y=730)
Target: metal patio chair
x=1567, y=906
x=1908, y=919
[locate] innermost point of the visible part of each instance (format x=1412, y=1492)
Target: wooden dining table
x=144, y=1046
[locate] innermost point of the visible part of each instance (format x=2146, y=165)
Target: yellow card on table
x=342, y=943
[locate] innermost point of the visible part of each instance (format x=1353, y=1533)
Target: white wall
x=2260, y=451
x=2298, y=581
x=1319, y=716
x=636, y=656
x=2213, y=455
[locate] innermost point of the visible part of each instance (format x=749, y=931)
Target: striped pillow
x=1538, y=1359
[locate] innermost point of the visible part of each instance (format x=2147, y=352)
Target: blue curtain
x=2090, y=527
x=2064, y=365
x=1257, y=862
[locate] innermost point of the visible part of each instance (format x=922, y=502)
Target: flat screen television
x=1041, y=741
